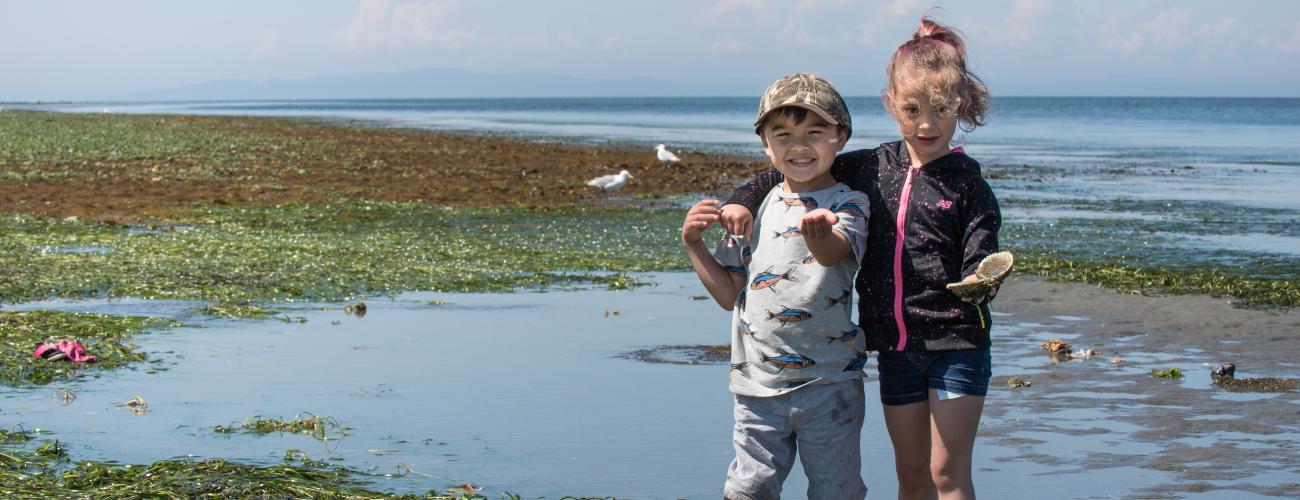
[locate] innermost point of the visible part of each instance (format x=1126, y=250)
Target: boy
x=796, y=354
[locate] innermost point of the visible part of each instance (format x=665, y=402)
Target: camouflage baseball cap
x=808, y=91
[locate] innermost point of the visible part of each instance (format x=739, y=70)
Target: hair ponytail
x=934, y=61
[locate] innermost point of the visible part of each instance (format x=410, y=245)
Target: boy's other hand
x=698, y=218
x=817, y=223
x=737, y=219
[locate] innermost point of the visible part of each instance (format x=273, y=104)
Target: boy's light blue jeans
x=822, y=422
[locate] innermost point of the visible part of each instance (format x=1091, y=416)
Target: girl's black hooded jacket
x=950, y=222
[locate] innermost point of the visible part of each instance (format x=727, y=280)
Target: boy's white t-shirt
x=792, y=324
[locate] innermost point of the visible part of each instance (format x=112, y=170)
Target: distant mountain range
x=448, y=83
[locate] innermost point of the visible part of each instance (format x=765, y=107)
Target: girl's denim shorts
x=906, y=377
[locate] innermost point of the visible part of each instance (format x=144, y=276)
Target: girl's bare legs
x=934, y=442
x=909, y=431
x=953, y=424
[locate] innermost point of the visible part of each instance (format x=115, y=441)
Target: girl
x=932, y=219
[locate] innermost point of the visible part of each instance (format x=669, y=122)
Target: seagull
x=610, y=182
x=665, y=156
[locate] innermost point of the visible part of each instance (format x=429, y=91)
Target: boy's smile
x=803, y=152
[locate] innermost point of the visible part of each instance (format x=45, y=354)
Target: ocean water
x=1075, y=130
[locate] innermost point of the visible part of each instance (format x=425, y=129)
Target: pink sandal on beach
x=65, y=349
x=48, y=350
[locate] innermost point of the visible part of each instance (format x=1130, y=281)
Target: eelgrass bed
x=44, y=470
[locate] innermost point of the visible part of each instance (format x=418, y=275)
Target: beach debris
x=1171, y=372
x=51, y=449
x=65, y=349
x=1224, y=370
x=1057, y=349
x=613, y=312
x=136, y=404
x=699, y=297
x=666, y=157
x=1085, y=354
x=1225, y=376
x=320, y=428
x=465, y=489
x=1118, y=360
x=990, y=273
x=612, y=182
x=357, y=309
x=65, y=397
x=1017, y=382
x=684, y=355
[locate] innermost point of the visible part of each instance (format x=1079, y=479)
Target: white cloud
x=380, y=24
x=1020, y=27
x=270, y=44
x=610, y=41
x=1227, y=28
x=900, y=8
x=365, y=30
x=1285, y=46
x=1022, y=22
x=725, y=8
x=1127, y=42
x=865, y=33
x=1168, y=29
x=729, y=46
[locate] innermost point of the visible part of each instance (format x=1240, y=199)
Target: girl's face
x=927, y=125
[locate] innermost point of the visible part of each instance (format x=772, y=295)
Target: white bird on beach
x=612, y=182
x=666, y=157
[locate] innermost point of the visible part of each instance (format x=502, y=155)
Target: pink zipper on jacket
x=899, y=236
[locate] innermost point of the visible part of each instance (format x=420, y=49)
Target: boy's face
x=803, y=152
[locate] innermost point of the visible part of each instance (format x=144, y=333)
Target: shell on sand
x=991, y=271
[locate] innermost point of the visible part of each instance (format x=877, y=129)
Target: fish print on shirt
x=843, y=300
x=788, y=315
x=786, y=359
x=849, y=208
x=767, y=279
x=807, y=202
x=858, y=362
x=789, y=232
x=845, y=337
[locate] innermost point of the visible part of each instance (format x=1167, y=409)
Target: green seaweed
x=322, y=429
x=1172, y=372
x=237, y=257
x=103, y=336
x=48, y=472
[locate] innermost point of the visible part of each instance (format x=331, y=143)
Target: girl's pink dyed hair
x=933, y=62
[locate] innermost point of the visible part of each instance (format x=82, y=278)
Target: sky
x=96, y=50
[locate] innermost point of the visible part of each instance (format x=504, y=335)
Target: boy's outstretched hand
x=817, y=224
x=698, y=218
x=737, y=219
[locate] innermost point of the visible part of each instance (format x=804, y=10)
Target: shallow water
x=526, y=392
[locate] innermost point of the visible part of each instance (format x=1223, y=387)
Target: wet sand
x=215, y=160
x=1210, y=439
